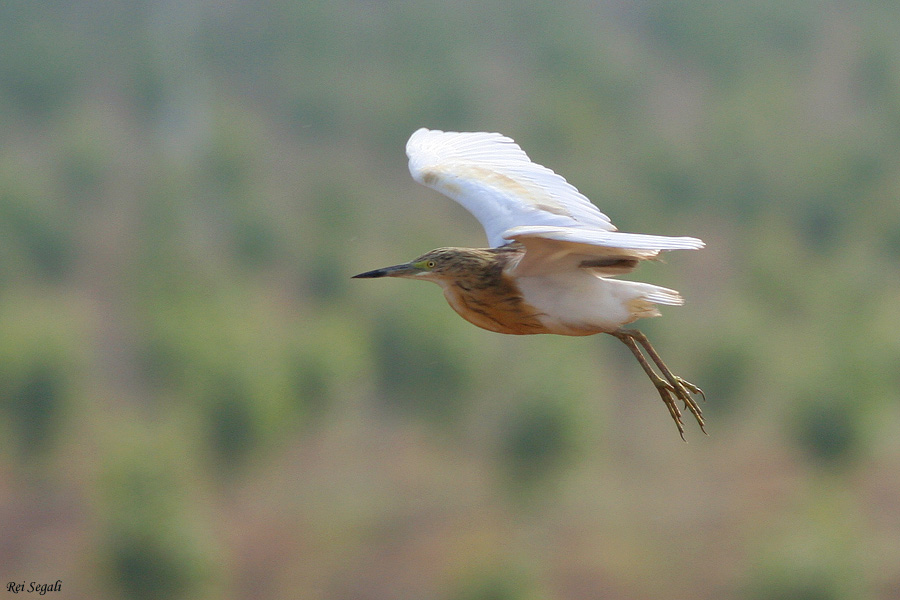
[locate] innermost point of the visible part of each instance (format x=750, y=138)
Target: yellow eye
x=430, y=264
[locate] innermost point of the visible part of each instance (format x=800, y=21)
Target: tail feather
x=661, y=295
x=644, y=306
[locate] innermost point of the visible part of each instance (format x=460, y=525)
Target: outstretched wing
x=493, y=178
x=516, y=199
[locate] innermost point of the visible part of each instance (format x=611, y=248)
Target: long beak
x=404, y=270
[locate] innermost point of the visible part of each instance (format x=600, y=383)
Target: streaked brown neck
x=483, y=295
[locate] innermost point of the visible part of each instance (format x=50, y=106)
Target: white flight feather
x=517, y=199
x=493, y=178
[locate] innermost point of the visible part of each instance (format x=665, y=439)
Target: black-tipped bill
x=395, y=271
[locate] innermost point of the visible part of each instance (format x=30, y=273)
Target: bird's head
x=436, y=265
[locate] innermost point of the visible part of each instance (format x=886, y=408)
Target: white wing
x=493, y=178
x=516, y=199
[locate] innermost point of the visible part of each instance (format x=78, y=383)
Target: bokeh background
x=197, y=402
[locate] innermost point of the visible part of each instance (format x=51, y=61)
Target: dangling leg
x=683, y=387
x=665, y=389
x=670, y=388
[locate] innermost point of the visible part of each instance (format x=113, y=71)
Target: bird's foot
x=680, y=390
x=671, y=388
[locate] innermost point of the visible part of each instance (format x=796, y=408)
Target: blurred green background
x=197, y=402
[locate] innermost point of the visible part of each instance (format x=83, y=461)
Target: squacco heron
x=552, y=254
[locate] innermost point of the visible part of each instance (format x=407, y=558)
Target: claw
x=693, y=388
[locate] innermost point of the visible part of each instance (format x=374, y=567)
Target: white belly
x=580, y=303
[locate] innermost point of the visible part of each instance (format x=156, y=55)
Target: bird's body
x=552, y=257
x=480, y=285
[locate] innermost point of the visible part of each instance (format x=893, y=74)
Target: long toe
x=669, y=395
x=683, y=390
x=698, y=414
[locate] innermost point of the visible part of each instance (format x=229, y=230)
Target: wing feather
x=493, y=178
x=516, y=199
x=554, y=249
x=608, y=239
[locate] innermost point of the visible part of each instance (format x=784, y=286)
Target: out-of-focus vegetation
x=197, y=402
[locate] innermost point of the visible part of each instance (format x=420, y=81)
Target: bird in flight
x=551, y=258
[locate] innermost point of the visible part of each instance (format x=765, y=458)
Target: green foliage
x=33, y=405
x=791, y=587
x=143, y=567
x=417, y=371
x=39, y=75
x=535, y=441
x=726, y=370
x=33, y=238
x=827, y=428
x=151, y=545
x=503, y=584
x=230, y=421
